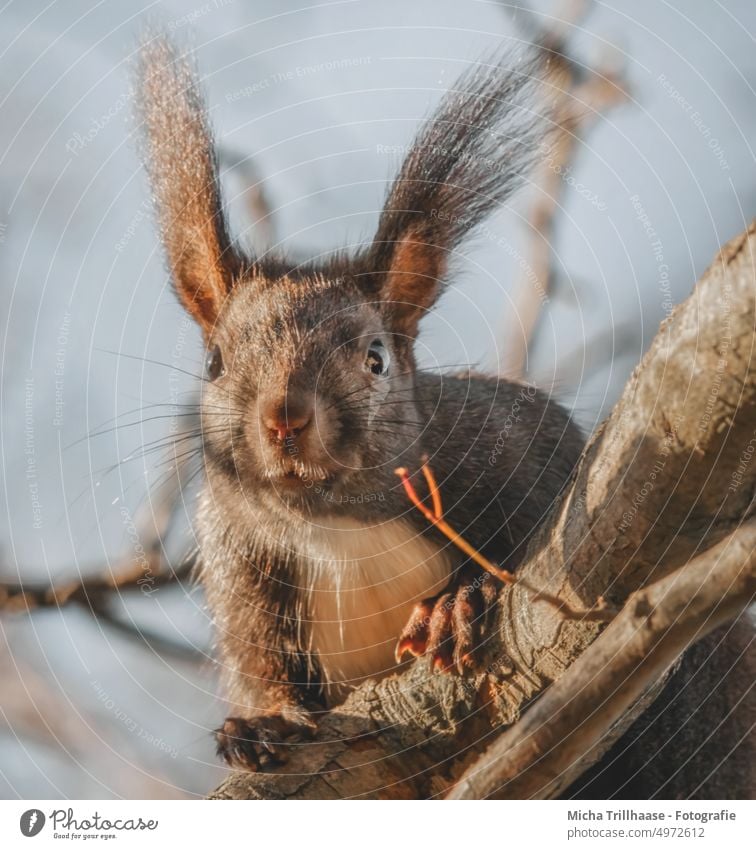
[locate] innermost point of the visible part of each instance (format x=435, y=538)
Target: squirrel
x=318, y=572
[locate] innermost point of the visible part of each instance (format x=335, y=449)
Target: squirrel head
x=308, y=381
x=310, y=370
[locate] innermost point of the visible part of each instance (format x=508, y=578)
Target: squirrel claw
x=405, y=645
x=255, y=744
x=442, y=663
x=449, y=627
x=414, y=637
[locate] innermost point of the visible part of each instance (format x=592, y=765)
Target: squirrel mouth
x=298, y=472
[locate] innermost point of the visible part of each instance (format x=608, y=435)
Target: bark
x=536, y=757
x=668, y=475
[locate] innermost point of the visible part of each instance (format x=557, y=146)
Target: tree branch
x=145, y=571
x=95, y=590
x=535, y=758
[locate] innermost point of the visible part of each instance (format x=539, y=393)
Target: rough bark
x=667, y=476
x=536, y=758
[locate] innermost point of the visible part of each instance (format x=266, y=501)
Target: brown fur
x=412, y=286
x=183, y=171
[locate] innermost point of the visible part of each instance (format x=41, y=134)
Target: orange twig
x=435, y=517
x=430, y=479
x=413, y=496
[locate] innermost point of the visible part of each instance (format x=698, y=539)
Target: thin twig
x=600, y=612
x=435, y=517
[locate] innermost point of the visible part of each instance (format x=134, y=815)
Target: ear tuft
x=465, y=162
x=180, y=160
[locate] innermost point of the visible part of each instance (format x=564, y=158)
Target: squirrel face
x=311, y=378
x=307, y=387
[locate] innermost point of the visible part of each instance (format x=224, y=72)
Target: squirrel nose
x=286, y=421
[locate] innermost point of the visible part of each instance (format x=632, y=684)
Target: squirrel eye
x=214, y=364
x=377, y=360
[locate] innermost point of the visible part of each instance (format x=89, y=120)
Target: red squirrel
x=317, y=570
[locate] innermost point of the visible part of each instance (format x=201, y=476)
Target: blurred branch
x=96, y=592
x=582, y=94
x=247, y=184
x=604, y=349
x=91, y=592
x=96, y=595
x=152, y=639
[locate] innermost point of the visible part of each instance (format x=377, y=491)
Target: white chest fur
x=364, y=582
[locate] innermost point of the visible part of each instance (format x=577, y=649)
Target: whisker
x=196, y=408
x=163, y=444
x=177, y=457
x=172, y=366
x=132, y=412
x=376, y=405
x=408, y=422
x=429, y=370
x=133, y=424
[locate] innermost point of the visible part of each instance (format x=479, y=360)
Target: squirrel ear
x=180, y=159
x=413, y=280
x=466, y=161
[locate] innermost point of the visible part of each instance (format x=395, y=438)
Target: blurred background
x=110, y=691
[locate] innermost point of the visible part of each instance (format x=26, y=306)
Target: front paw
x=255, y=744
x=451, y=627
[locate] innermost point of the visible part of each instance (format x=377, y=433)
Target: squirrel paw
x=449, y=627
x=255, y=744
